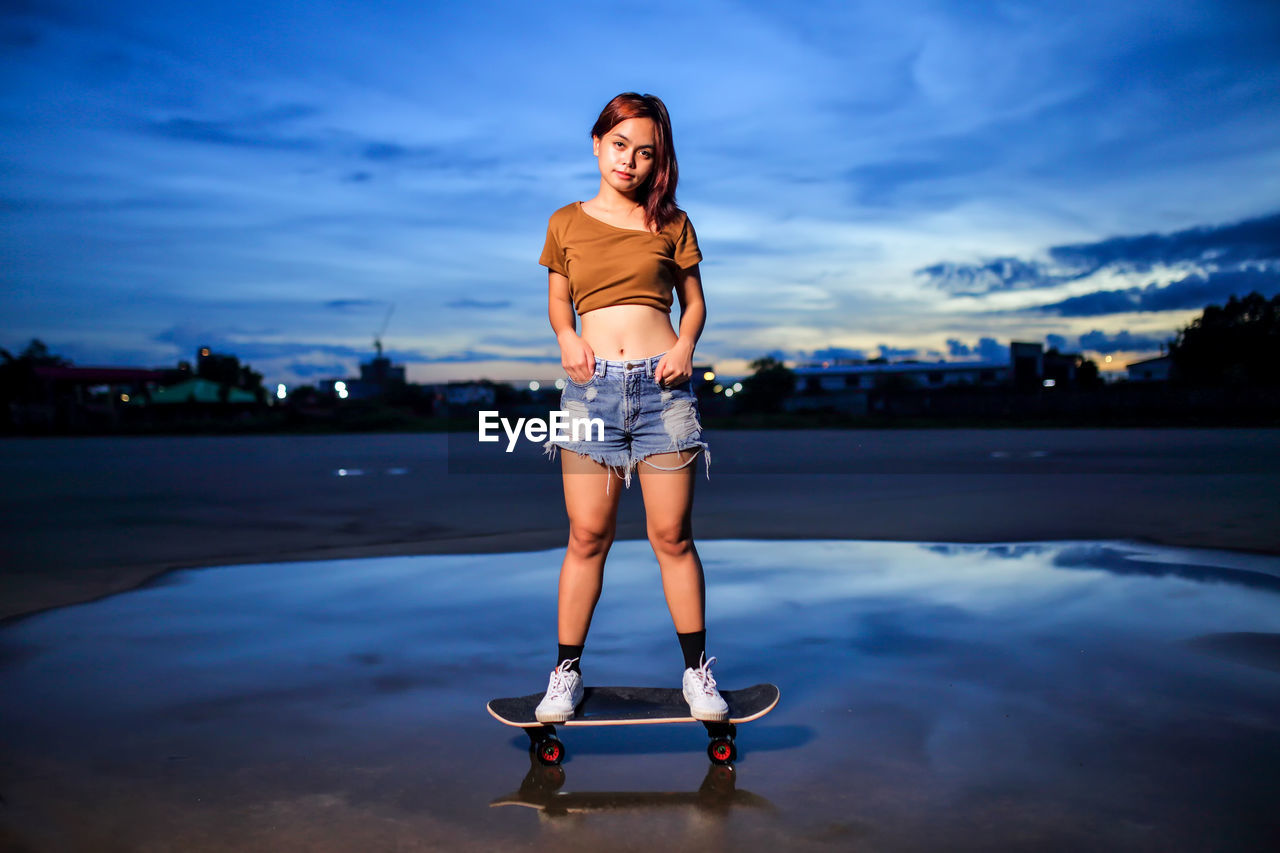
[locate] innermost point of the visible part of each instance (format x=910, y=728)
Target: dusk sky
x=915, y=179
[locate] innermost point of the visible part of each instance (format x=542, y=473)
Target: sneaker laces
x=706, y=680
x=559, y=687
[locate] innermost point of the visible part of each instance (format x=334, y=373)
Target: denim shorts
x=640, y=417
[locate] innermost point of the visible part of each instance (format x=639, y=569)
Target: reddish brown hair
x=658, y=195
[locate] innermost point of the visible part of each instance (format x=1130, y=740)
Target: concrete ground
x=1022, y=669
x=87, y=517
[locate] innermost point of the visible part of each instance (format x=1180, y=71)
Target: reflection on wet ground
x=540, y=789
x=1079, y=695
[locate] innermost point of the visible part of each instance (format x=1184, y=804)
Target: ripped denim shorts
x=640, y=417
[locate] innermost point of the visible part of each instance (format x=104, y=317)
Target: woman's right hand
x=577, y=358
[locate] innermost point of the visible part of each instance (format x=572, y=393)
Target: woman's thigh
x=592, y=461
x=591, y=493
x=668, y=494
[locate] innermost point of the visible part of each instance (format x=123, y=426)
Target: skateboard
x=635, y=706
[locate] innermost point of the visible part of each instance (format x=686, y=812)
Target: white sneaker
x=705, y=702
x=563, y=695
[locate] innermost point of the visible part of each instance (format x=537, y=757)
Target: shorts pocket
x=590, y=381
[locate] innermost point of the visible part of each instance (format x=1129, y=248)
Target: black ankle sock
x=694, y=646
x=568, y=652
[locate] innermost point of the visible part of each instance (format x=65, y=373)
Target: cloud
x=485, y=355
x=887, y=351
x=242, y=345
x=357, y=304
x=536, y=340
x=1107, y=342
x=256, y=130
x=1194, y=291
x=749, y=354
x=276, y=129
x=838, y=352
x=1092, y=304
x=425, y=156
x=1122, y=341
x=1223, y=245
x=1221, y=248
x=13, y=36
x=478, y=304
x=987, y=349
x=882, y=184
x=384, y=151
x=990, y=350
x=306, y=371
x=995, y=275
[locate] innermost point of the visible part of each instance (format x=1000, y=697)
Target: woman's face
x=626, y=154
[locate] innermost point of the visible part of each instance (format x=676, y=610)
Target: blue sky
x=918, y=179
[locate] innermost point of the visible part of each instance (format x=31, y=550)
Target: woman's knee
x=590, y=540
x=673, y=539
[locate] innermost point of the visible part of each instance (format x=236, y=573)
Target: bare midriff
x=618, y=332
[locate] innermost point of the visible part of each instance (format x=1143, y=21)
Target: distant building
x=834, y=376
x=1060, y=367
x=468, y=394
x=1150, y=370
x=78, y=397
x=1027, y=360
x=380, y=371
x=847, y=385
x=377, y=376
x=66, y=395
x=197, y=390
x=126, y=379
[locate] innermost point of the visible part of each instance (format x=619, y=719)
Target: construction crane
x=377, y=339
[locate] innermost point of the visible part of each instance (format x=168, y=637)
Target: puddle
x=933, y=695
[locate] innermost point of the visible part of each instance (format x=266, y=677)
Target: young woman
x=616, y=260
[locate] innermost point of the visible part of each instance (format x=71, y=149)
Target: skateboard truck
x=544, y=746
x=721, y=749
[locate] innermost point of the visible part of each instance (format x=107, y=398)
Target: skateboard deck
x=631, y=706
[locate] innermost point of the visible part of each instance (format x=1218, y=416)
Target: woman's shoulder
x=563, y=213
x=679, y=219
x=678, y=223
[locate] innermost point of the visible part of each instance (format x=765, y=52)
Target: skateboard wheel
x=549, y=750
x=722, y=750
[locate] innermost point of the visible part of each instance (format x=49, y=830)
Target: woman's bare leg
x=593, y=520
x=668, y=509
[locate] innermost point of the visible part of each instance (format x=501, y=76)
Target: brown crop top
x=607, y=265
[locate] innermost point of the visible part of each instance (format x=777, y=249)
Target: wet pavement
x=1069, y=695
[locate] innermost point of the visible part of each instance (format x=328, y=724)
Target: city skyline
x=926, y=182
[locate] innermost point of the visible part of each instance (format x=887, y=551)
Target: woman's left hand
x=675, y=367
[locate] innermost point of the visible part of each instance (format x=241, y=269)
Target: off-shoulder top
x=607, y=265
